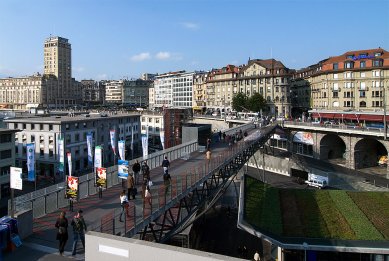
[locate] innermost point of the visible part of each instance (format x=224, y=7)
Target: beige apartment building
x=199, y=91
x=222, y=85
x=355, y=80
x=271, y=79
x=21, y=93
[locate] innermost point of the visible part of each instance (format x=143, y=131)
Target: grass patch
x=327, y=214
x=370, y=205
x=314, y=224
x=362, y=227
x=336, y=223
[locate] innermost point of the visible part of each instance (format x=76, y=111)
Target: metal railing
x=52, y=198
x=140, y=211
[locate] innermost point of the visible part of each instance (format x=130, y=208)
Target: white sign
x=16, y=178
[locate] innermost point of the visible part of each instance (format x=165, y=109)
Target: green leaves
x=254, y=103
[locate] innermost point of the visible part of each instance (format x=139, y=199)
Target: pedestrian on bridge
x=62, y=234
x=131, y=187
x=165, y=164
x=79, y=228
x=136, y=170
x=145, y=172
x=147, y=196
x=123, y=204
x=166, y=182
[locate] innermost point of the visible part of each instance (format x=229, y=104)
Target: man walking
x=130, y=187
x=79, y=228
x=136, y=170
x=165, y=164
x=145, y=172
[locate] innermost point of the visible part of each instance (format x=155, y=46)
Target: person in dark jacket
x=62, y=233
x=165, y=164
x=136, y=170
x=79, y=228
x=145, y=171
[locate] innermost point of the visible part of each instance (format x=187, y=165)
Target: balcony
x=336, y=89
x=363, y=89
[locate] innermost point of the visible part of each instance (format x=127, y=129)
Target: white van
x=317, y=181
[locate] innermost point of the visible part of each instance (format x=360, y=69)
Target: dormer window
x=349, y=65
x=377, y=54
x=350, y=56
x=377, y=62
x=335, y=66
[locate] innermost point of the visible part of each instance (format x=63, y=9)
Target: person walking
x=146, y=171
x=62, y=234
x=166, y=182
x=208, y=156
x=131, y=187
x=148, y=196
x=136, y=170
x=79, y=228
x=123, y=204
x=165, y=164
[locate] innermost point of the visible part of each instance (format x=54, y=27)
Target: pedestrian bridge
x=196, y=185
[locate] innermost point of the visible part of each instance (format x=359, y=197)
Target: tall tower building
x=58, y=62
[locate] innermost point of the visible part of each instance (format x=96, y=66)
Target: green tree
x=256, y=102
x=239, y=102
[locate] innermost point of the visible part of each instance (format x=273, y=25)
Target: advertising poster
x=122, y=169
x=303, y=137
x=16, y=180
x=121, y=147
x=101, y=177
x=72, y=187
x=31, y=161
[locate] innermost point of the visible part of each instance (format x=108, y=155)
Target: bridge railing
x=52, y=198
x=179, y=187
x=334, y=126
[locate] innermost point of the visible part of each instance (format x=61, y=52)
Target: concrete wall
x=114, y=248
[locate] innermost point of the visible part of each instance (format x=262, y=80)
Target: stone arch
x=367, y=152
x=332, y=147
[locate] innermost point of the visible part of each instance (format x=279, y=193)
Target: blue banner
x=122, y=169
x=31, y=161
x=89, y=144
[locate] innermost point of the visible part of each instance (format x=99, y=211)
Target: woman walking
x=123, y=204
x=62, y=233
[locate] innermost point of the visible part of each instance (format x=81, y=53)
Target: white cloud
x=79, y=69
x=191, y=26
x=163, y=55
x=141, y=57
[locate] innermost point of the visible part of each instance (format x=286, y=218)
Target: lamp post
x=305, y=246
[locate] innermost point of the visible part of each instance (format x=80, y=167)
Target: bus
x=250, y=116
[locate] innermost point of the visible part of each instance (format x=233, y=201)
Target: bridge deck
x=184, y=172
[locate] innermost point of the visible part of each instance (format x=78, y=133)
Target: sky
x=116, y=39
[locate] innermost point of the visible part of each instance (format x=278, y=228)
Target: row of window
x=361, y=74
x=362, y=64
x=362, y=104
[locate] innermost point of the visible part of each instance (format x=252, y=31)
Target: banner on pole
x=121, y=149
x=61, y=155
x=132, y=138
x=122, y=169
x=16, y=180
x=72, y=187
x=145, y=142
x=101, y=177
x=113, y=140
x=69, y=156
x=31, y=161
x=98, y=161
x=162, y=138
x=89, y=144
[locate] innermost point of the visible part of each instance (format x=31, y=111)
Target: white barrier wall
x=114, y=248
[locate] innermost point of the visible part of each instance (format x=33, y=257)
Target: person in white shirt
x=123, y=204
x=256, y=256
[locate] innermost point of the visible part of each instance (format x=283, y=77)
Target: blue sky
x=112, y=39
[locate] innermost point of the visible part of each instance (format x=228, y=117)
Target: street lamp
x=305, y=246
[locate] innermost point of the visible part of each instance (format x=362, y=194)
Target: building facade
x=136, y=92
x=174, y=89
x=222, y=85
x=153, y=124
x=271, y=79
x=113, y=91
x=7, y=159
x=199, y=92
x=58, y=62
x=92, y=93
x=355, y=80
x=45, y=132
x=22, y=93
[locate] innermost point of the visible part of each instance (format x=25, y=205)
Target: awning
x=345, y=116
x=323, y=115
x=371, y=117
